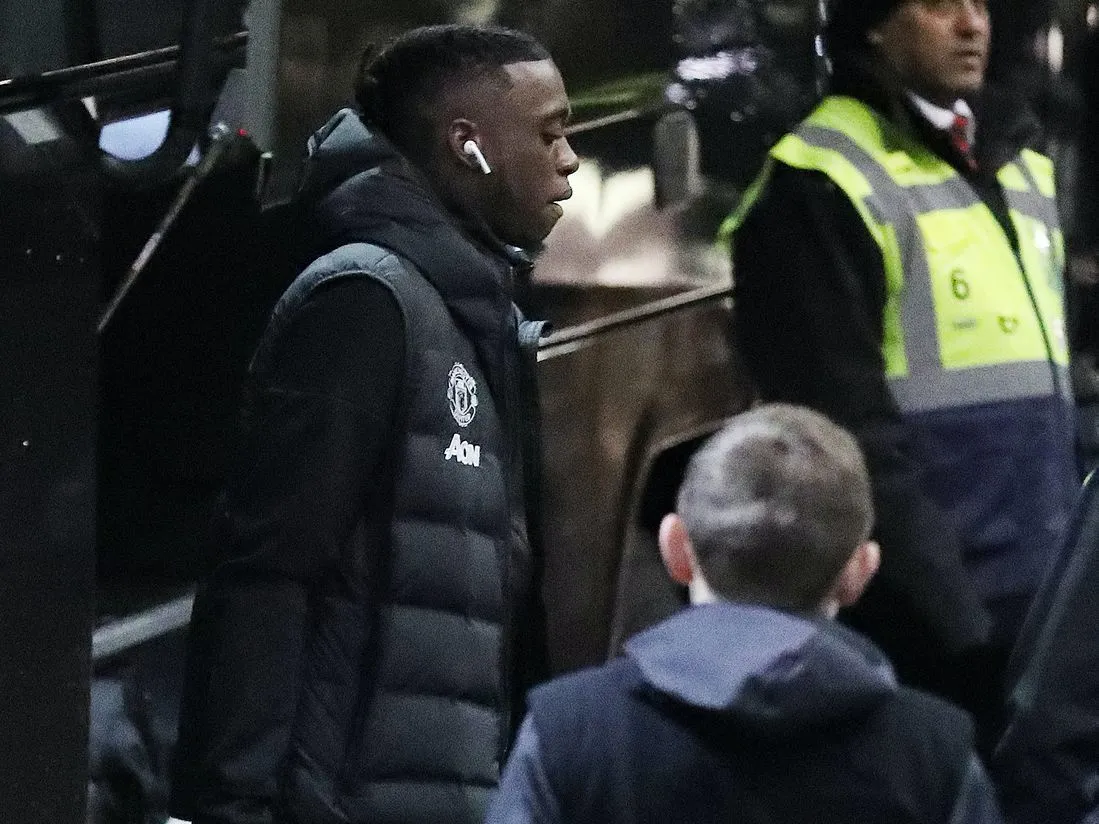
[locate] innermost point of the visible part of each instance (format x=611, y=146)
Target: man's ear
x=676, y=549
x=458, y=133
x=856, y=573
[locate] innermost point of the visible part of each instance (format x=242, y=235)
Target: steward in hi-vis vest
x=900, y=267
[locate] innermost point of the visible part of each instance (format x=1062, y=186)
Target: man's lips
x=556, y=202
x=971, y=54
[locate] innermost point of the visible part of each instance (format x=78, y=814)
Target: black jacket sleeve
x=319, y=424
x=809, y=301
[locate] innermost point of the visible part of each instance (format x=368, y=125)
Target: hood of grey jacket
x=770, y=670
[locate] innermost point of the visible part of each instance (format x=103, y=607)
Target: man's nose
x=567, y=161
x=972, y=17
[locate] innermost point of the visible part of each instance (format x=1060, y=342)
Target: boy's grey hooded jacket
x=731, y=712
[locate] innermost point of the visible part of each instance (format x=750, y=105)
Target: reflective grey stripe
x=889, y=203
x=1033, y=203
x=1036, y=206
x=950, y=388
x=1043, y=209
x=954, y=193
x=1064, y=384
x=923, y=198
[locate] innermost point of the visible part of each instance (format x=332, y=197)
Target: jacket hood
x=358, y=188
x=770, y=670
x=342, y=148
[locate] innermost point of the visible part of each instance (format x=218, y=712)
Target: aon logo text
x=463, y=452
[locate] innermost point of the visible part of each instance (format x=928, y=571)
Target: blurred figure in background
x=1081, y=211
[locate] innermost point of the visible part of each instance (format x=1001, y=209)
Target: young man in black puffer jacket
x=359, y=651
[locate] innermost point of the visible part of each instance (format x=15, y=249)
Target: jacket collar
x=1005, y=125
x=943, y=119
x=360, y=189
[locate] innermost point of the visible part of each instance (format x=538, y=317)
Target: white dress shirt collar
x=942, y=119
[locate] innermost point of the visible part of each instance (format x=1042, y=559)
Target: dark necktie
x=959, y=139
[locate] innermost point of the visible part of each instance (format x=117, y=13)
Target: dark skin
x=517, y=117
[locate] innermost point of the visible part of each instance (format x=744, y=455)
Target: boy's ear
x=856, y=573
x=676, y=549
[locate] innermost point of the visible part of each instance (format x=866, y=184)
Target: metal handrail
x=221, y=138
x=569, y=339
x=127, y=633
x=75, y=82
x=192, y=104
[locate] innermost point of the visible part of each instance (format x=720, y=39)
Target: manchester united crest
x=461, y=391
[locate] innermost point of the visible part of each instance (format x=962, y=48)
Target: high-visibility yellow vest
x=966, y=320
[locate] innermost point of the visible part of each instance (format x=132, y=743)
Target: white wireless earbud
x=471, y=148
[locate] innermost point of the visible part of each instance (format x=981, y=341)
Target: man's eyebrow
x=562, y=113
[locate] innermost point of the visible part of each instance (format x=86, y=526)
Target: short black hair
x=775, y=504
x=398, y=85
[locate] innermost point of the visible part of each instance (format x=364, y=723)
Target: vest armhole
x=845, y=175
x=948, y=735
x=384, y=275
x=383, y=266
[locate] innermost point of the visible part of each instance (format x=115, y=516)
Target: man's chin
x=970, y=84
x=526, y=241
x=946, y=95
x=535, y=241
x=531, y=233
